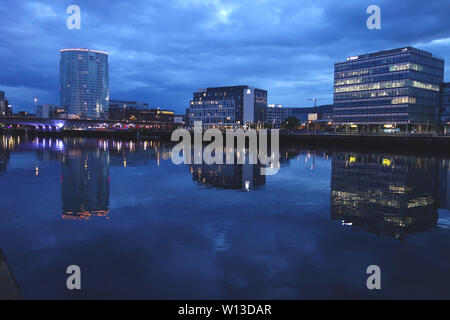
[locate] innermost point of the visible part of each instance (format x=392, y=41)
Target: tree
x=290, y=123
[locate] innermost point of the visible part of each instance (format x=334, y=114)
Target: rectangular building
x=444, y=116
x=398, y=87
x=228, y=106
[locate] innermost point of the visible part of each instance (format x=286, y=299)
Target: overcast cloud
x=160, y=51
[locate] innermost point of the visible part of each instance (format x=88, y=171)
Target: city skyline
x=154, y=59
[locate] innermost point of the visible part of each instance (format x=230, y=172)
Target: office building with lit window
x=444, y=116
x=396, y=88
x=84, y=83
x=228, y=106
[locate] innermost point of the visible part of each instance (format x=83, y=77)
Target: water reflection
x=244, y=177
x=85, y=183
x=167, y=222
x=387, y=194
x=384, y=194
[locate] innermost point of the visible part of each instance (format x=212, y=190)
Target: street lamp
x=315, y=99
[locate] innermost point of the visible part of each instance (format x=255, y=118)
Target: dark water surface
x=141, y=227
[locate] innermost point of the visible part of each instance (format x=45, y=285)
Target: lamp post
x=315, y=99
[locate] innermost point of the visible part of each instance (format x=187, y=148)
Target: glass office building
x=234, y=106
x=84, y=83
x=396, y=88
x=444, y=116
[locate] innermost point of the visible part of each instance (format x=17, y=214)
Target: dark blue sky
x=160, y=51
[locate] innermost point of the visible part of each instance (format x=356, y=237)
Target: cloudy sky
x=160, y=51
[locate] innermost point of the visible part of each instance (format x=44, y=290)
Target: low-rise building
x=276, y=115
x=320, y=113
x=49, y=111
x=140, y=111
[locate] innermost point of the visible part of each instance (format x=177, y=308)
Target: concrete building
x=84, y=83
x=234, y=106
x=396, y=88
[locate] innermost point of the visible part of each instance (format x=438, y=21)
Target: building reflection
x=85, y=178
x=85, y=183
x=391, y=195
x=4, y=157
x=229, y=176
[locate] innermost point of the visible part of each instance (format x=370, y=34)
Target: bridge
x=56, y=125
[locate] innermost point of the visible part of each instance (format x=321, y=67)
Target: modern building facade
x=228, y=106
x=84, y=83
x=392, y=88
x=444, y=116
x=5, y=108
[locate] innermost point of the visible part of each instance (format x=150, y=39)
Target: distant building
x=138, y=111
x=228, y=106
x=49, y=111
x=276, y=115
x=324, y=113
x=178, y=119
x=84, y=83
x=398, y=87
x=5, y=108
x=23, y=114
x=124, y=110
x=444, y=116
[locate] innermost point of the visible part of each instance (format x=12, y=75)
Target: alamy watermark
x=74, y=280
x=374, y=20
x=374, y=280
x=214, y=152
x=74, y=20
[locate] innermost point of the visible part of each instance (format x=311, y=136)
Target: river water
x=139, y=226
